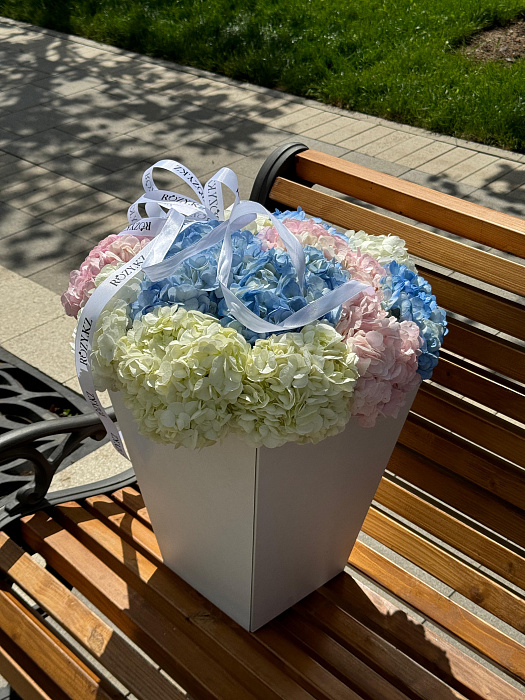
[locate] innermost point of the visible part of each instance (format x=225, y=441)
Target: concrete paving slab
x=23, y=97
x=116, y=154
x=172, y=132
x=42, y=146
x=336, y=126
x=32, y=120
x=13, y=220
x=445, y=161
x=38, y=247
x=75, y=168
x=355, y=143
x=476, y=162
x=101, y=126
x=509, y=183
x=423, y=155
x=64, y=213
x=404, y=148
x=375, y=163
x=311, y=122
x=47, y=348
x=25, y=306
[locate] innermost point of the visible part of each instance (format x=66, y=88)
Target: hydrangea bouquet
x=191, y=373
x=255, y=331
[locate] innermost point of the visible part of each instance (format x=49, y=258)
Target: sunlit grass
x=394, y=59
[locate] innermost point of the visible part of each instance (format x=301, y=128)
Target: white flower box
x=257, y=529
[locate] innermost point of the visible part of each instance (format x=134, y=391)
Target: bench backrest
x=458, y=469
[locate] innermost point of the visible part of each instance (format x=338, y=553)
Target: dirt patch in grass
x=502, y=43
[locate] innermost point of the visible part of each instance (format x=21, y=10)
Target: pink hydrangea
x=112, y=250
x=387, y=366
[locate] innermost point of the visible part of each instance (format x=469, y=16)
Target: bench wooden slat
x=452, y=531
x=232, y=647
x=477, y=304
x=428, y=648
x=467, y=420
x=329, y=653
x=110, y=649
x=445, y=612
x=466, y=219
x=133, y=502
x=187, y=663
x=352, y=634
x=136, y=533
x=468, y=581
x=50, y=654
x=493, y=474
x=486, y=349
x=482, y=306
x=316, y=679
x=23, y=676
x=476, y=503
x=433, y=247
x=484, y=390
x=297, y=663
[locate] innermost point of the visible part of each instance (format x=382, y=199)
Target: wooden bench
x=451, y=503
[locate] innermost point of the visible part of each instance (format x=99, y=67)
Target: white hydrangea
x=383, y=248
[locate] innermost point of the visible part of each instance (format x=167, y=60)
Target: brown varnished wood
x=163, y=589
x=460, y=622
x=466, y=580
x=50, y=654
x=469, y=627
x=131, y=500
x=316, y=679
x=110, y=649
x=484, y=390
x=425, y=645
x=477, y=304
x=452, y=214
x=174, y=651
x=452, y=531
x=476, y=424
x=433, y=247
x=134, y=534
x=486, y=349
x=380, y=654
x=24, y=677
x=113, y=536
x=493, y=474
x=465, y=497
x=338, y=660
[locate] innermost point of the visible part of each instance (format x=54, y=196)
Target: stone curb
x=416, y=131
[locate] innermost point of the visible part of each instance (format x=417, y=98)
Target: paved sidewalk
x=80, y=122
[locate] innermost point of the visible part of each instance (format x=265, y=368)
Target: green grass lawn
x=396, y=59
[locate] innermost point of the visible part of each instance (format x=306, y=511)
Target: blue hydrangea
x=408, y=297
x=264, y=280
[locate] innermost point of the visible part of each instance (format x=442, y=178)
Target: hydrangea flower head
x=298, y=387
x=382, y=248
x=180, y=373
x=408, y=297
x=112, y=250
x=265, y=280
